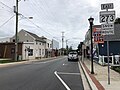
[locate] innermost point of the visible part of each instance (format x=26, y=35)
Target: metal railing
x=113, y=60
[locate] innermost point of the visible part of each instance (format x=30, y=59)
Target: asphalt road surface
x=56, y=74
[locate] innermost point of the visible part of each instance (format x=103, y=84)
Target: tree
x=79, y=50
x=117, y=21
x=70, y=49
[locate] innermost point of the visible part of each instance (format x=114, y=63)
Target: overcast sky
x=52, y=17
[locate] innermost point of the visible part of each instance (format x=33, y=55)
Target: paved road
x=56, y=74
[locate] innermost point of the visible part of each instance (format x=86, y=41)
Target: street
x=57, y=74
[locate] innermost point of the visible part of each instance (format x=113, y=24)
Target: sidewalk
x=99, y=80
x=27, y=61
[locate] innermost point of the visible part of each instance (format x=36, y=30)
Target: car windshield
x=73, y=53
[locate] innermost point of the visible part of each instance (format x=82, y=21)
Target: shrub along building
x=30, y=46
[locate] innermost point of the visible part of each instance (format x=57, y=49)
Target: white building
x=33, y=45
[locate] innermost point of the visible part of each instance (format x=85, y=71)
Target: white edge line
x=50, y=60
x=68, y=73
x=62, y=81
x=93, y=86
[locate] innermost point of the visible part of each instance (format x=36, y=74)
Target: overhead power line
x=5, y=5
x=7, y=21
x=38, y=26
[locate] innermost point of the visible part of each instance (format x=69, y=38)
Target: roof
x=37, y=38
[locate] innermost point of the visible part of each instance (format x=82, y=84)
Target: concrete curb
x=89, y=80
x=22, y=62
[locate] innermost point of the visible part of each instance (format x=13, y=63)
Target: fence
x=113, y=60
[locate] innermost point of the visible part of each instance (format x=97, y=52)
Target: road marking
x=47, y=61
x=66, y=86
x=84, y=80
x=64, y=64
x=68, y=73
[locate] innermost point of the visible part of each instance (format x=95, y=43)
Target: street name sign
x=107, y=26
x=107, y=16
x=107, y=6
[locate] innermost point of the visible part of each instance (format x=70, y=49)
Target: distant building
x=7, y=39
x=55, y=44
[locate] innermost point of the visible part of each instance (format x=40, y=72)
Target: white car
x=72, y=56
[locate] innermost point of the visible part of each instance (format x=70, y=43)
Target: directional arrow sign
x=107, y=26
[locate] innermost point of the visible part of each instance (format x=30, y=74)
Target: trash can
x=20, y=57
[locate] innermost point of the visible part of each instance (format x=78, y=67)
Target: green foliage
x=116, y=68
x=117, y=21
x=6, y=61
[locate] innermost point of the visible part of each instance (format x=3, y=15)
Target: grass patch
x=6, y=61
x=2, y=61
x=116, y=68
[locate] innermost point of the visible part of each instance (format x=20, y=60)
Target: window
x=48, y=45
x=12, y=50
x=30, y=52
x=13, y=40
x=36, y=43
x=39, y=43
x=42, y=43
x=25, y=34
x=40, y=51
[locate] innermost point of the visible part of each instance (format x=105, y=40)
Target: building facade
x=30, y=46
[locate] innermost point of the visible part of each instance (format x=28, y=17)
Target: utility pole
x=66, y=47
x=16, y=34
x=66, y=43
x=62, y=43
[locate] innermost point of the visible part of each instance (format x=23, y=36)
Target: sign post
x=107, y=17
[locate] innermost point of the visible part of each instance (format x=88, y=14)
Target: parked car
x=73, y=56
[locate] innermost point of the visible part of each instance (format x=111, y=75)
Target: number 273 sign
x=107, y=16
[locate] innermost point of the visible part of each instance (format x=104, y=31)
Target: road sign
x=107, y=32
x=107, y=6
x=98, y=37
x=107, y=28
x=107, y=16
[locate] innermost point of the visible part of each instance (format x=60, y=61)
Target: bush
x=116, y=68
x=6, y=61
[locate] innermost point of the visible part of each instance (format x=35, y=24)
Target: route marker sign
x=107, y=16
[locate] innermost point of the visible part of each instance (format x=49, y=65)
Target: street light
x=91, y=24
